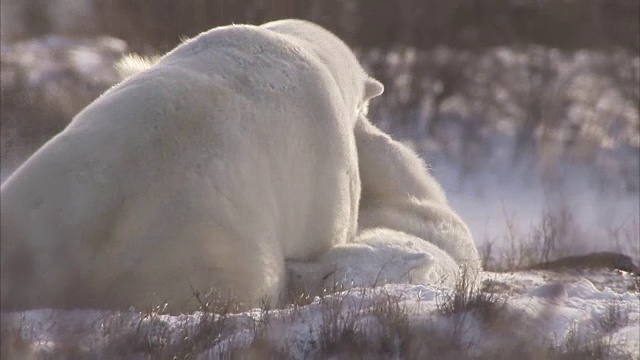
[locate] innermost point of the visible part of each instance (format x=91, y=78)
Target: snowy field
x=594, y=314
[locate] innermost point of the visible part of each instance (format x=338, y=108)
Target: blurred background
x=527, y=111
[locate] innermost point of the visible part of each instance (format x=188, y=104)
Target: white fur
x=408, y=233
x=399, y=193
x=379, y=257
x=206, y=170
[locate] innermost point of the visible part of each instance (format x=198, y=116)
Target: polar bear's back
x=239, y=85
x=293, y=93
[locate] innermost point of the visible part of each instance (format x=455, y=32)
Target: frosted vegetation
x=525, y=315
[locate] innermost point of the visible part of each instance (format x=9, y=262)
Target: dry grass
x=353, y=325
x=466, y=297
x=555, y=236
x=341, y=331
x=615, y=317
x=551, y=243
x=579, y=346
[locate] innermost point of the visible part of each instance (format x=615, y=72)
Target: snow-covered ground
x=533, y=315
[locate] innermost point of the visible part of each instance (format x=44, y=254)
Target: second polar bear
x=399, y=193
x=408, y=233
x=205, y=170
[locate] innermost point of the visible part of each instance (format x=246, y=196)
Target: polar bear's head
x=355, y=85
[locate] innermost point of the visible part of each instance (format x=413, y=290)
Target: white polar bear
x=407, y=230
x=230, y=154
x=399, y=193
x=378, y=257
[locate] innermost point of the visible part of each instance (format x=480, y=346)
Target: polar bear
x=379, y=256
x=399, y=193
x=203, y=171
x=408, y=232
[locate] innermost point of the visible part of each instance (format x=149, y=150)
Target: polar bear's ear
x=372, y=88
